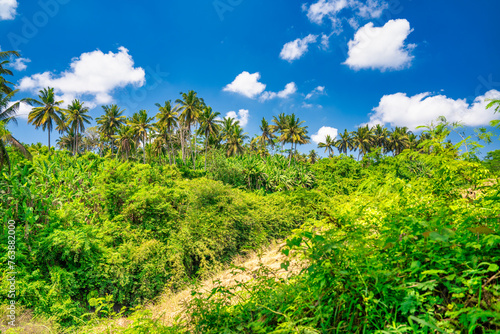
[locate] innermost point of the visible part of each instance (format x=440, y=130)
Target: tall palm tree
x=280, y=123
x=363, y=140
x=227, y=127
x=209, y=126
x=47, y=112
x=76, y=119
x=399, y=140
x=4, y=60
x=110, y=122
x=267, y=136
x=125, y=140
x=294, y=133
x=167, y=122
x=235, y=139
x=7, y=114
x=345, y=142
x=328, y=145
x=380, y=137
x=140, y=125
x=190, y=106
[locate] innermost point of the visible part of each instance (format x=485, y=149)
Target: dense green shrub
x=412, y=253
x=89, y=227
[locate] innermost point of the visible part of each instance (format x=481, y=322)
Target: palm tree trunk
x=183, y=145
x=49, y=139
x=290, y=160
x=76, y=142
x=194, y=151
x=171, y=150
x=167, y=141
x=206, y=152
x=144, y=148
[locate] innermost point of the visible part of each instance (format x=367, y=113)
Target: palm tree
x=399, y=140
x=313, y=156
x=209, y=126
x=345, y=142
x=47, y=112
x=235, y=139
x=110, y=122
x=363, y=140
x=493, y=103
x=140, y=125
x=280, y=123
x=67, y=142
x=380, y=135
x=76, y=119
x=267, y=136
x=7, y=114
x=294, y=133
x=228, y=124
x=4, y=60
x=190, y=107
x=125, y=140
x=328, y=145
x=167, y=122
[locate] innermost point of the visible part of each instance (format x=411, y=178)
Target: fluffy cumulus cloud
x=320, y=90
x=295, y=49
x=381, y=47
x=243, y=115
x=246, y=84
x=412, y=111
x=19, y=64
x=8, y=9
x=93, y=74
x=290, y=88
x=320, y=136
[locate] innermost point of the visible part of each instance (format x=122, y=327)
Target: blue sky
x=336, y=64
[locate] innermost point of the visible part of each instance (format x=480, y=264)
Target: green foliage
x=414, y=248
x=492, y=161
x=270, y=174
x=91, y=227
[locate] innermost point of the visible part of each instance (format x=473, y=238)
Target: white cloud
x=19, y=64
x=320, y=90
x=381, y=47
x=330, y=9
x=95, y=74
x=23, y=111
x=400, y=110
x=243, y=115
x=320, y=136
x=290, y=88
x=8, y=9
x=371, y=9
x=324, y=8
x=353, y=23
x=325, y=41
x=295, y=49
x=246, y=84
